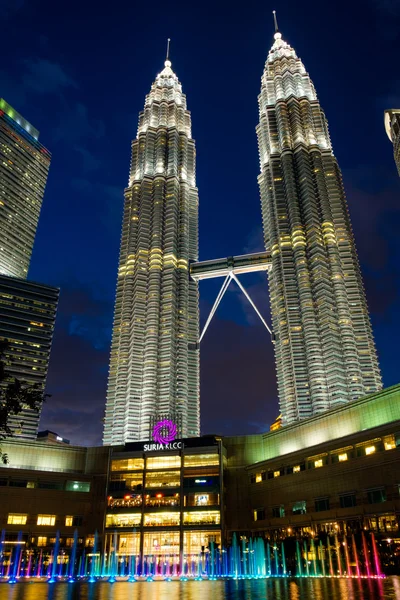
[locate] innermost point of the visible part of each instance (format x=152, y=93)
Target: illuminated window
x=42, y=541
x=277, y=473
x=390, y=442
x=163, y=462
x=77, y=486
x=318, y=463
x=162, y=519
x=46, y=519
x=69, y=521
x=163, y=479
x=129, y=464
x=296, y=469
x=258, y=477
x=17, y=519
x=211, y=517
x=343, y=457
x=195, y=542
x=201, y=499
x=124, y=520
x=299, y=508
x=370, y=450
x=162, y=542
x=201, y=460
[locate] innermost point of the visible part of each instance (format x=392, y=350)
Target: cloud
x=78, y=370
x=77, y=125
x=45, y=77
x=88, y=161
x=110, y=200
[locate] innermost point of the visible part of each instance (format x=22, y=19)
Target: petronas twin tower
x=324, y=347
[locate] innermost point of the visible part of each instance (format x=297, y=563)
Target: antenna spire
x=168, y=42
x=275, y=21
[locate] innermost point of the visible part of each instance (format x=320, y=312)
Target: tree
x=15, y=395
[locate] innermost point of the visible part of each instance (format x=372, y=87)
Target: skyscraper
x=27, y=317
x=24, y=167
x=392, y=126
x=154, y=364
x=324, y=348
x=27, y=309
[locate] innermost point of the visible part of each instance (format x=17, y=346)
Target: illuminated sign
x=164, y=435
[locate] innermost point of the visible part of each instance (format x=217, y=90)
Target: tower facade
x=24, y=168
x=324, y=347
x=154, y=364
x=392, y=126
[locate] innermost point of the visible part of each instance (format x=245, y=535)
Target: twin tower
x=324, y=346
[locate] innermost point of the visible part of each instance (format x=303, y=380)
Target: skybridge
x=230, y=268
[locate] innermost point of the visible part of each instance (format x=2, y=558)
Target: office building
x=154, y=364
x=324, y=346
x=24, y=166
x=27, y=317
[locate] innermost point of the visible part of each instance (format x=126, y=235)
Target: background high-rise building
x=27, y=316
x=24, y=166
x=325, y=353
x=27, y=309
x=154, y=365
x=392, y=126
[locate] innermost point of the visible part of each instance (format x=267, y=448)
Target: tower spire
x=275, y=22
x=167, y=57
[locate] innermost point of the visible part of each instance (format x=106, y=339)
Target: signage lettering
x=168, y=446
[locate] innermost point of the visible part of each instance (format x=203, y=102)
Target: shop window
x=321, y=504
x=376, y=496
x=123, y=520
x=347, y=500
x=129, y=543
x=200, y=482
x=46, y=520
x=162, y=499
x=259, y=514
x=278, y=512
x=128, y=464
x=161, y=542
x=17, y=519
x=162, y=519
x=202, y=499
x=195, y=542
x=163, y=462
x=211, y=517
x=163, y=479
x=77, y=486
x=201, y=460
x=89, y=540
x=299, y=508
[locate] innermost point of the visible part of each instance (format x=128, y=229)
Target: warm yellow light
x=296, y=469
x=258, y=477
x=370, y=450
x=277, y=473
x=318, y=463
x=342, y=457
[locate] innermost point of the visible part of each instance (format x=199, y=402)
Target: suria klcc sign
x=164, y=436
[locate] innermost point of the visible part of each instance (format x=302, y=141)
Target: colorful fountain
x=252, y=558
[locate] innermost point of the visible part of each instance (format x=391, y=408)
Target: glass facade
x=24, y=167
x=28, y=312
x=178, y=509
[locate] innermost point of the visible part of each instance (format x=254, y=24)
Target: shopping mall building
x=339, y=472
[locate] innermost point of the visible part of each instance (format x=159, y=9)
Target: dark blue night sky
x=79, y=72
